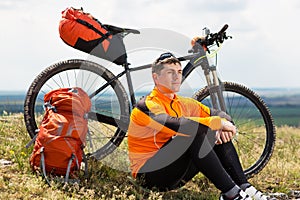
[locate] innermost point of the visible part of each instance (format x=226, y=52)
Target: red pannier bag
x=82, y=31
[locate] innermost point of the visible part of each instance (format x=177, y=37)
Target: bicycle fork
x=214, y=84
x=215, y=88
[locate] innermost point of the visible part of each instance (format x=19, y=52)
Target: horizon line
x=259, y=89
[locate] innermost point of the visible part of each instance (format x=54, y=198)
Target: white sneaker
x=255, y=194
x=241, y=196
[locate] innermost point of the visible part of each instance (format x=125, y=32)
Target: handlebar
x=211, y=39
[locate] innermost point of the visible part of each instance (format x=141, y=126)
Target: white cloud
x=263, y=52
x=10, y=4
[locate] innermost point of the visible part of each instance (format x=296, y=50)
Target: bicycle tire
x=103, y=138
x=254, y=122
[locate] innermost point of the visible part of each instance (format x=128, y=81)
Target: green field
x=286, y=115
x=282, y=173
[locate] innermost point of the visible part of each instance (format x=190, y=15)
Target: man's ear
x=154, y=76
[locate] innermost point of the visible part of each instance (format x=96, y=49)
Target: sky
x=262, y=54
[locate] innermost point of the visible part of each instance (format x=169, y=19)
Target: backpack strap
x=69, y=168
x=85, y=165
x=43, y=167
x=90, y=26
x=32, y=140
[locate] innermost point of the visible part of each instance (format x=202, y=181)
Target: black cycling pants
x=183, y=157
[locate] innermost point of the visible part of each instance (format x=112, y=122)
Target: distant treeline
x=11, y=103
x=287, y=100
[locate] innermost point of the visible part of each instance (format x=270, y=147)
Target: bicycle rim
x=255, y=137
x=112, y=101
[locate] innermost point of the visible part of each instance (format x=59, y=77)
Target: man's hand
x=225, y=134
x=198, y=39
x=195, y=39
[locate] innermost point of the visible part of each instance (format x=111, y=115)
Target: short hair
x=165, y=58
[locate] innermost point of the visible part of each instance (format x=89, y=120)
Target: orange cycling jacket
x=157, y=118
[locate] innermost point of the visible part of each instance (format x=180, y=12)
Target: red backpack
x=84, y=32
x=59, y=144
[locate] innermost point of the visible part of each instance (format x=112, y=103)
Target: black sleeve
x=177, y=124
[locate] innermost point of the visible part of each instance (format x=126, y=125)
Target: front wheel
x=255, y=138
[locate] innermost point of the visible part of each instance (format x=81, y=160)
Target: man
x=172, y=138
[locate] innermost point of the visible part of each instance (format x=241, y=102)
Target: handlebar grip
x=223, y=29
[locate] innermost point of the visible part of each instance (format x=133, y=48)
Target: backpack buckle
x=48, y=106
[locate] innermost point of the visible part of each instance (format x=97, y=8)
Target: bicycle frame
x=199, y=59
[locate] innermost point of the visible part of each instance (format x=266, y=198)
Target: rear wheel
x=255, y=137
x=109, y=114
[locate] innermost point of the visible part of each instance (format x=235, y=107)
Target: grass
x=17, y=181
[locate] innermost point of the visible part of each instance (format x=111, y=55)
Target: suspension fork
x=212, y=80
x=215, y=88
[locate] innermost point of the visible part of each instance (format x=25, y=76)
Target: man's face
x=169, y=78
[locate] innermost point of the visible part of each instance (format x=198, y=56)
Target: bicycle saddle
x=115, y=29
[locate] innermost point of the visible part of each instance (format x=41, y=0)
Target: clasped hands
x=226, y=133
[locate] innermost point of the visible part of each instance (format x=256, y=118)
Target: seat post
x=129, y=83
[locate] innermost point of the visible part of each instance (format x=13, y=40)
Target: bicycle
x=111, y=104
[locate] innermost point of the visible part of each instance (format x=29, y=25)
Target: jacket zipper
x=173, y=108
